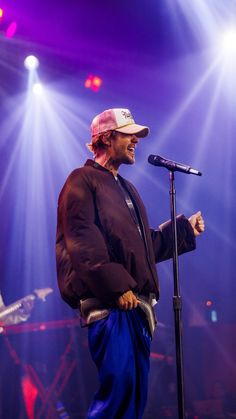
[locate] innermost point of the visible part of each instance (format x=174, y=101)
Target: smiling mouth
x=131, y=149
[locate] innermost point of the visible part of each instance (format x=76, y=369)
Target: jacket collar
x=94, y=164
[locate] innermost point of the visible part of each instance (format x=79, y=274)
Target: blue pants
x=120, y=348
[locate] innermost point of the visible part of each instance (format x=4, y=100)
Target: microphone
x=171, y=165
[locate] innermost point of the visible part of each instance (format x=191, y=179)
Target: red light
x=87, y=83
x=93, y=82
x=30, y=393
x=208, y=303
x=97, y=81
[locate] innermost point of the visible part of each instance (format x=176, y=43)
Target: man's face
x=122, y=149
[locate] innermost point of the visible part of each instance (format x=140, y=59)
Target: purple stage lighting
x=31, y=62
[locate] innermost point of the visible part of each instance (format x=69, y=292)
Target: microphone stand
x=173, y=166
x=177, y=303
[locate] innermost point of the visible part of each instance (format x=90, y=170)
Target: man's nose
x=134, y=139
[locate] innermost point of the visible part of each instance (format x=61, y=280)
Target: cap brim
x=139, y=130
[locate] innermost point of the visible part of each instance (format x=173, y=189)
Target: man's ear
x=106, y=138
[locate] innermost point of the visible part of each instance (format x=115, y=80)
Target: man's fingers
x=127, y=301
x=197, y=223
x=125, y=305
x=136, y=303
x=200, y=223
x=129, y=305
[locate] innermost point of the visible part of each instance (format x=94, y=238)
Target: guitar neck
x=12, y=308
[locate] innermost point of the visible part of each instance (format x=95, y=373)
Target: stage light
x=97, y=81
x=87, y=83
x=214, y=317
x=37, y=89
x=208, y=303
x=31, y=62
x=93, y=83
x=228, y=42
x=1, y=13
x=11, y=30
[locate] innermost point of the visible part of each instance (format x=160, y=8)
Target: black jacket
x=99, y=250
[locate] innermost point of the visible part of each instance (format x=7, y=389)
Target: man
x=106, y=255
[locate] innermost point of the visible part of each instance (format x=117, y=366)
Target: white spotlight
x=37, y=89
x=31, y=62
x=229, y=42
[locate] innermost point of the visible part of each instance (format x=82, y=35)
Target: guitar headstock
x=42, y=293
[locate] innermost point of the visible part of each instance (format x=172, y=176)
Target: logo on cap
x=126, y=114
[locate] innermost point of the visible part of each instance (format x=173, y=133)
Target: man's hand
x=127, y=301
x=197, y=223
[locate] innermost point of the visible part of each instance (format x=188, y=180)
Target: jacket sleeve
x=162, y=239
x=82, y=246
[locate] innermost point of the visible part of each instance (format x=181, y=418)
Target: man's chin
x=129, y=160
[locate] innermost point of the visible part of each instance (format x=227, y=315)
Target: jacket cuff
x=185, y=234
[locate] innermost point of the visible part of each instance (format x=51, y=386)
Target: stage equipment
x=177, y=299
x=49, y=396
x=173, y=166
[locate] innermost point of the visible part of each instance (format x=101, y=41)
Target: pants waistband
x=92, y=309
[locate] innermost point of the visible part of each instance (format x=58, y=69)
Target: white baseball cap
x=117, y=119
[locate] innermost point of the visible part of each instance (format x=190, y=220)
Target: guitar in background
x=20, y=310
